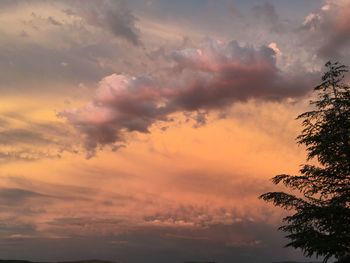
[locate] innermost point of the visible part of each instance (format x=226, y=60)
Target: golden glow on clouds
x=225, y=164
x=181, y=175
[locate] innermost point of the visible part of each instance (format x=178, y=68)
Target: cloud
x=266, y=14
x=230, y=243
x=210, y=77
x=122, y=103
x=3, y=122
x=18, y=136
x=22, y=139
x=16, y=195
x=53, y=45
x=266, y=11
x=33, y=141
x=10, y=227
x=113, y=16
x=26, y=155
x=229, y=186
x=229, y=73
x=330, y=26
x=57, y=191
x=33, y=63
x=53, y=21
x=9, y=4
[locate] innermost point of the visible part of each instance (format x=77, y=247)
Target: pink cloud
x=210, y=77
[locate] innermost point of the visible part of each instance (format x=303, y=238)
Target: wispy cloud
x=23, y=139
x=113, y=16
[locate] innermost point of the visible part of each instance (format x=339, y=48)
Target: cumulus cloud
x=331, y=26
x=210, y=77
x=122, y=103
x=228, y=73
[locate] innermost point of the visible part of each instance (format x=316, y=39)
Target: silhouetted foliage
x=345, y=259
x=320, y=224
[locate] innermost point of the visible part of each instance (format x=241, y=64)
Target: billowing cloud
x=122, y=103
x=210, y=77
x=230, y=73
x=330, y=26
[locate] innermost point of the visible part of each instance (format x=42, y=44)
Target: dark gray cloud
x=265, y=14
x=35, y=140
x=53, y=21
x=329, y=28
x=210, y=77
x=12, y=226
x=55, y=190
x=266, y=11
x=85, y=222
x=178, y=233
x=21, y=205
x=25, y=200
x=9, y=4
x=259, y=243
x=29, y=65
x=10, y=196
x=18, y=136
x=111, y=15
x=66, y=45
x=234, y=73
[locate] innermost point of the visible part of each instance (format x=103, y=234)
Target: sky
x=144, y=131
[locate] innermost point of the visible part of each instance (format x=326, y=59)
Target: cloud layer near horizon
x=166, y=189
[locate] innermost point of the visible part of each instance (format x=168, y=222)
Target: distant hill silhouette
x=298, y=262
x=79, y=261
x=105, y=261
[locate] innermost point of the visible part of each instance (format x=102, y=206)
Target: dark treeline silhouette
x=320, y=224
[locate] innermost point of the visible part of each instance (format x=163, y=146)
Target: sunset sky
x=145, y=130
